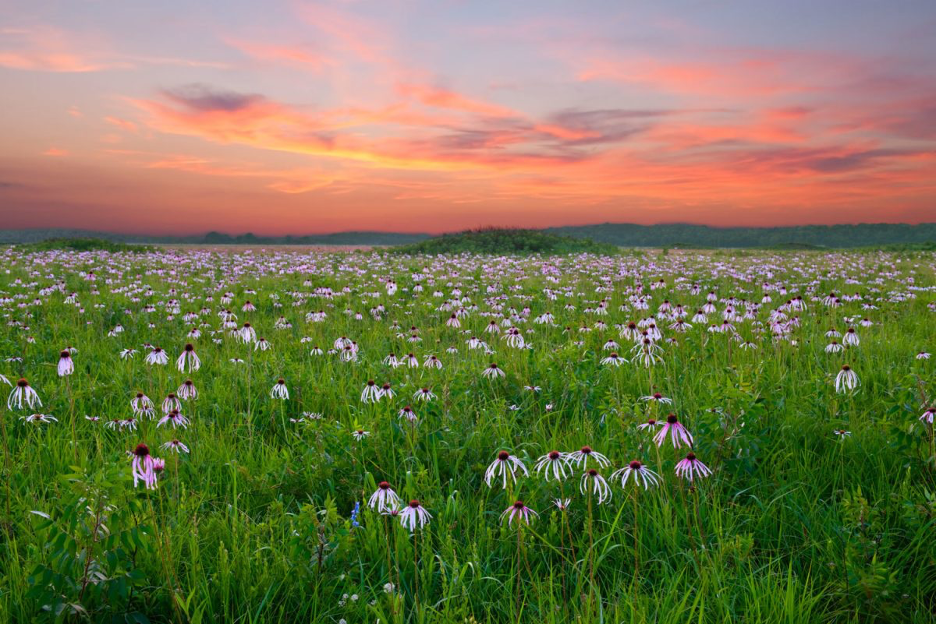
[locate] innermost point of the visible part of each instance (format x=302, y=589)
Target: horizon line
x=443, y=232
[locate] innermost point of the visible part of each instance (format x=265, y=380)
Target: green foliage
x=505, y=241
x=85, y=244
x=254, y=524
x=90, y=542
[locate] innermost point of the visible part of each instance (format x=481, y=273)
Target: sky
x=292, y=117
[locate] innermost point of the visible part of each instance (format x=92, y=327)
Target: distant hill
x=506, y=241
x=216, y=238
x=619, y=234
x=802, y=236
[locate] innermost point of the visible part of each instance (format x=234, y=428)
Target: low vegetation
x=505, y=241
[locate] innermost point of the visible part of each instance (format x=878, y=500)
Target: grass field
x=813, y=490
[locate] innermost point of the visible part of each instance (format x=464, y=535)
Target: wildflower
x=170, y=403
x=279, y=390
x=127, y=354
x=851, y=337
x=922, y=355
x=596, y=484
x=841, y=434
x=641, y=474
x=22, y=391
x=677, y=432
x=928, y=415
x=384, y=497
x=562, y=503
x=247, y=334
x=157, y=357
x=66, y=366
x=552, y=463
x=39, y=418
x=175, y=419
x=518, y=511
x=492, y=372
x=424, y=394
x=691, y=467
x=407, y=413
x=656, y=397
x=175, y=446
x=581, y=457
x=142, y=467
x=371, y=392
x=359, y=434
x=262, y=344
x=612, y=360
x=142, y=405
x=355, y=523
x=189, y=358
x=386, y=391
x=414, y=514
x=846, y=380
x=187, y=390
x=505, y=465
x=652, y=423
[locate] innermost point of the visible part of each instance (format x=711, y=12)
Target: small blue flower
x=354, y=514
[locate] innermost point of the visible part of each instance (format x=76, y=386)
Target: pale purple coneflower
x=519, y=512
x=157, y=357
x=407, y=413
x=690, y=467
x=503, y=466
x=922, y=355
x=142, y=467
x=656, y=397
x=613, y=360
x=189, y=358
x=66, y=366
x=678, y=433
x=262, y=344
x=593, y=482
x=492, y=372
x=187, y=390
x=851, y=337
x=39, y=418
x=359, y=434
x=846, y=380
x=386, y=391
x=142, y=405
x=171, y=402
x=424, y=394
x=247, y=333
x=384, y=498
x=21, y=392
x=640, y=473
x=175, y=446
x=413, y=515
x=279, y=390
x=841, y=434
x=580, y=457
x=371, y=392
x=552, y=464
x=928, y=415
x=562, y=503
x=175, y=419
x=127, y=354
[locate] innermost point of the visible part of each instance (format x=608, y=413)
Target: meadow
x=278, y=436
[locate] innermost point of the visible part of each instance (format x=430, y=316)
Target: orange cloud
x=443, y=98
x=55, y=151
x=301, y=56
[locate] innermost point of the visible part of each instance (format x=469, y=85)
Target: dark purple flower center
x=141, y=450
x=671, y=419
x=503, y=455
x=635, y=465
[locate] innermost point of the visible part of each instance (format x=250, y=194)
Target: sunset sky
x=308, y=117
